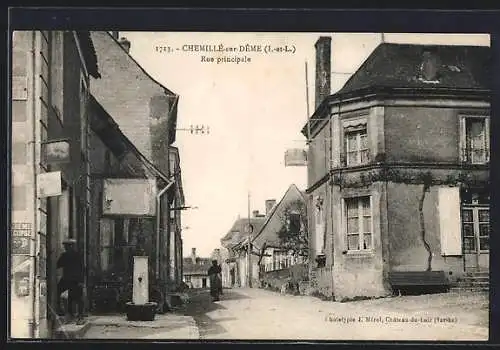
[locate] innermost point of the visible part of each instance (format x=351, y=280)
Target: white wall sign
x=134, y=197
x=295, y=157
x=49, y=184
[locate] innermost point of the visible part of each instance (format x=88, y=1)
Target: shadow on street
x=200, y=304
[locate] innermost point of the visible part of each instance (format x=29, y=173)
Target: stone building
x=146, y=113
x=398, y=173
x=50, y=169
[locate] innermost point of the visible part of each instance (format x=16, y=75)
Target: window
x=475, y=227
x=356, y=145
x=187, y=279
x=358, y=223
x=475, y=140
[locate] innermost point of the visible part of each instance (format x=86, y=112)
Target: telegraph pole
x=249, y=231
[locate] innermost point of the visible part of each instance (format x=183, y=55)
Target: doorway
x=475, y=219
x=204, y=283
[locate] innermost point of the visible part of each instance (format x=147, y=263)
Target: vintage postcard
x=250, y=186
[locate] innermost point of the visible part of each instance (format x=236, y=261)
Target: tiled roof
x=399, y=65
x=200, y=268
x=237, y=234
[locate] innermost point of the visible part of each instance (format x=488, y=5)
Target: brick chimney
x=193, y=255
x=125, y=43
x=269, y=205
x=323, y=69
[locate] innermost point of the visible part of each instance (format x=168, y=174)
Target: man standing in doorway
x=72, y=278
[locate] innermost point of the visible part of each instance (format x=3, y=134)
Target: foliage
x=293, y=235
x=385, y=174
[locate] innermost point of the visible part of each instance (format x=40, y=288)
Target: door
x=476, y=230
x=204, y=283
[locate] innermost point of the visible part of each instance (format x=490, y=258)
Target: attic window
x=429, y=68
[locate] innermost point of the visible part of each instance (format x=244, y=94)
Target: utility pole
x=250, y=231
x=307, y=106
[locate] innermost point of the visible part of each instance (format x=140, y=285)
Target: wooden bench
x=405, y=279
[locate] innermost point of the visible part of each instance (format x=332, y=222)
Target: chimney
x=193, y=255
x=114, y=35
x=323, y=69
x=269, y=205
x=255, y=213
x=125, y=43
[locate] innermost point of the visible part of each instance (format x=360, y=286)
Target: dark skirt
x=215, y=285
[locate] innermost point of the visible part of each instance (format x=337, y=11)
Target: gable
x=274, y=223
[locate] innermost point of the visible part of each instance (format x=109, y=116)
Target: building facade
x=195, y=271
x=146, y=112
x=235, y=269
x=50, y=170
x=398, y=170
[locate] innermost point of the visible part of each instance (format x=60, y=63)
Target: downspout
x=158, y=221
x=34, y=230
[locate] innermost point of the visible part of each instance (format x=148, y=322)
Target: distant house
x=284, y=215
x=195, y=271
x=398, y=170
x=234, y=269
x=283, y=259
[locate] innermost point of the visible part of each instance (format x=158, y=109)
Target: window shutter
x=449, y=221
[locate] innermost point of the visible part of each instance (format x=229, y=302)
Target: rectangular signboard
x=133, y=197
x=56, y=152
x=49, y=184
x=295, y=157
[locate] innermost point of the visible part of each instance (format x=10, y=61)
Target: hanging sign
x=295, y=157
x=49, y=184
x=129, y=197
x=56, y=152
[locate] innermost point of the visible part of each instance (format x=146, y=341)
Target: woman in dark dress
x=214, y=273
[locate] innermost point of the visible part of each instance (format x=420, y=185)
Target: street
x=261, y=314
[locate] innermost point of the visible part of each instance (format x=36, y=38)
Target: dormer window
x=429, y=68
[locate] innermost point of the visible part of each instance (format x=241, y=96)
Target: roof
x=111, y=135
x=273, y=223
x=237, y=235
x=398, y=66
x=116, y=63
x=89, y=53
x=200, y=268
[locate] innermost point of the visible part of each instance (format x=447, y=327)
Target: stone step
x=468, y=289
x=475, y=279
x=478, y=274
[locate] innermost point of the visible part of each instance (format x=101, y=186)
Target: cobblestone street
x=260, y=314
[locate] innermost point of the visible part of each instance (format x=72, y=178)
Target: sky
x=254, y=111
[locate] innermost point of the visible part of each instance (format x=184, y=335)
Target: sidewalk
x=168, y=326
